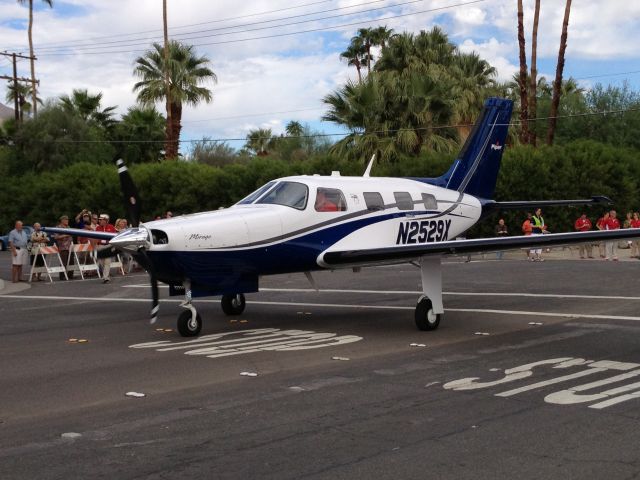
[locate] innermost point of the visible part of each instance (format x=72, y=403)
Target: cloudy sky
x=276, y=59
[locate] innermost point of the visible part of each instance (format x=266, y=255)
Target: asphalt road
x=345, y=387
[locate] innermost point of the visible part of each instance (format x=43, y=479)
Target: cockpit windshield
x=252, y=197
x=290, y=194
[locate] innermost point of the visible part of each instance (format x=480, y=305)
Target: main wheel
x=233, y=304
x=187, y=327
x=426, y=318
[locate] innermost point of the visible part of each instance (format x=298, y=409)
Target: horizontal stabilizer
x=517, y=205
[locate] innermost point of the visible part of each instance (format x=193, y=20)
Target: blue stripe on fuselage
x=224, y=271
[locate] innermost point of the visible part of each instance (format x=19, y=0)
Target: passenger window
x=373, y=200
x=330, y=200
x=290, y=194
x=403, y=200
x=429, y=201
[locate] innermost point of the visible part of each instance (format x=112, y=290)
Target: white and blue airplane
x=309, y=223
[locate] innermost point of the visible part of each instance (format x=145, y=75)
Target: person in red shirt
x=527, y=228
x=635, y=244
x=611, y=247
x=583, y=224
x=600, y=226
x=105, y=263
x=324, y=204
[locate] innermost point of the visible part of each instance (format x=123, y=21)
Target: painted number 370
x=424, y=231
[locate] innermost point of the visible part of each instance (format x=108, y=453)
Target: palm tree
x=533, y=81
x=353, y=56
x=522, y=80
x=294, y=128
x=23, y=91
x=365, y=39
x=381, y=35
x=31, y=53
x=187, y=72
x=473, y=77
x=260, y=141
x=557, y=83
x=88, y=107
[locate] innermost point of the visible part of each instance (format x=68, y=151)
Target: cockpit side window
x=330, y=200
x=430, y=202
x=289, y=194
x=252, y=197
x=373, y=200
x=403, y=200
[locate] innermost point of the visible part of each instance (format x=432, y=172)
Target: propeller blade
x=129, y=193
x=143, y=260
x=155, y=306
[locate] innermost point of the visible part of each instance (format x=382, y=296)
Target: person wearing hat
x=105, y=263
x=64, y=242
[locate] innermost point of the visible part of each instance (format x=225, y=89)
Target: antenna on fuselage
x=368, y=170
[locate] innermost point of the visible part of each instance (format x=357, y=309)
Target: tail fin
x=475, y=171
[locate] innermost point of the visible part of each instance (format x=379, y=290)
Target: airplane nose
x=132, y=238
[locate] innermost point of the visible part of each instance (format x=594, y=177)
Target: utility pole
x=16, y=79
x=168, y=151
x=15, y=87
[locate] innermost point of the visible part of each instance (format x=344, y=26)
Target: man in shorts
x=18, y=240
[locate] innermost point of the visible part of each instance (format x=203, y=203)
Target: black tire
x=425, y=318
x=233, y=304
x=184, y=324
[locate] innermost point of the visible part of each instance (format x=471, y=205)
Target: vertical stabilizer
x=475, y=171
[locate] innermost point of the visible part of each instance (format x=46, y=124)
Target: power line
x=609, y=75
x=603, y=113
x=134, y=42
x=190, y=25
x=146, y=40
x=362, y=22
x=264, y=114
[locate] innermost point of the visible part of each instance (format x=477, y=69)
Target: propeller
x=129, y=193
x=135, y=237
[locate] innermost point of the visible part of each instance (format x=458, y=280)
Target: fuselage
x=284, y=227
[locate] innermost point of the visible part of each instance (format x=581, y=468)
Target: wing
x=77, y=232
x=456, y=247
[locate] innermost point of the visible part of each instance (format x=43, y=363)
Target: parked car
x=4, y=239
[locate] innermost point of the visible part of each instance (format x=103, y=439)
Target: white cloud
x=291, y=72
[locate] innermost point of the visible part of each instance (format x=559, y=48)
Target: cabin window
x=289, y=194
x=252, y=197
x=373, y=200
x=429, y=201
x=330, y=200
x=403, y=200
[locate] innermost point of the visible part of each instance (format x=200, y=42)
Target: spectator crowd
x=24, y=246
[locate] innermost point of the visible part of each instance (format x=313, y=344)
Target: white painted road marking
x=335, y=305
x=251, y=341
x=417, y=292
x=570, y=395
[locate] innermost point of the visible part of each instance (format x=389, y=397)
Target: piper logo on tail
x=496, y=146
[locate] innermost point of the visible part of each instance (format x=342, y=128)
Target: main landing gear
x=429, y=310
x=190, y=321
x=233, y=304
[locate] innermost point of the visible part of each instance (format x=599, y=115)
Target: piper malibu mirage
x=306, y=223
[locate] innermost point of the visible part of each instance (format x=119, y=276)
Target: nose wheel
x=233, y=304
x=189, y=325
x=426, y=318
